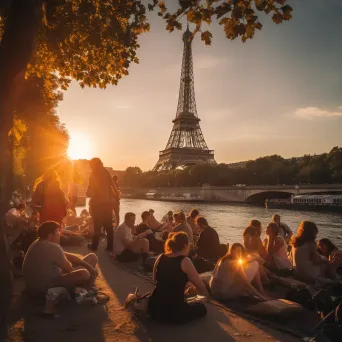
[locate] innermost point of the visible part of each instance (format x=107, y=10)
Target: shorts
x=128, y=256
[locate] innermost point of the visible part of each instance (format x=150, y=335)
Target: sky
x=279, y=93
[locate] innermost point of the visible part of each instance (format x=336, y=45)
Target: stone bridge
x=243, y=193
x=260, y=193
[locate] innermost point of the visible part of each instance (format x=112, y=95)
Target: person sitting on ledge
x=191, y=219
x=276, y=248
x=309, y=265
x=184, y=226
x=46, y=265
x=252, y=241
x=171, y=273
x=328, y=249
x=208, y=244
x=233, y=276
x=284, y=230
x=156, y=245
x=166, y=218
x=153, y=222
x=129, y=248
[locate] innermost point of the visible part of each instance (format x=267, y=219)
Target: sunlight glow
x=79, y=147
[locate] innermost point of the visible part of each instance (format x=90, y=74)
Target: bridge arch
x=260, y=197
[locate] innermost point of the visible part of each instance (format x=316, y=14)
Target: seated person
x=276, y=248
x=172, y=271
x=327, y=248
x=127, y=247
x=152, y=221
x=233, y=276
x=166, y=218
x=191, y=219
x=22, y=229
x=309, y=265
x=252, y=240
x=284, y=230
x=183, y=226
x=208, y=244
x=156, y=245
x=46, y=265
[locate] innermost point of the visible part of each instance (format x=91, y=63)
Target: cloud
x=315, y=112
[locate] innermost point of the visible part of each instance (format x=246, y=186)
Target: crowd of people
x=178, y=248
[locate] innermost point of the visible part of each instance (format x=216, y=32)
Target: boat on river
x=173, y=197
x=322, y=202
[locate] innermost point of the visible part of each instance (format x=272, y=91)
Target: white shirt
x=280, y=258
x=122, y=233
x=284, y=230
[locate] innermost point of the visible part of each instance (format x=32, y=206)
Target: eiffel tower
x=186, y=145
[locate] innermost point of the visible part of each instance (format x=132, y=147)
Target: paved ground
x=96, y=323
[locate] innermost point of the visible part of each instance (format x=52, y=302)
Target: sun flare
x=79, y=147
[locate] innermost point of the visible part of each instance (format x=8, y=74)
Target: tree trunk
x=16, y=47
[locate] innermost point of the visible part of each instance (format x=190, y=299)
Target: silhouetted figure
x=49, y=199
x=102, y=199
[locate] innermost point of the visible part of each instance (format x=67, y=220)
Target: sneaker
x=91, y=247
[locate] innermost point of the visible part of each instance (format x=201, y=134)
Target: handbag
x=138, y=304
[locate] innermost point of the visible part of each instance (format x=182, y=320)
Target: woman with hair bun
x=172, y=271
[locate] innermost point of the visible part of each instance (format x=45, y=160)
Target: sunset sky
x=279, y=93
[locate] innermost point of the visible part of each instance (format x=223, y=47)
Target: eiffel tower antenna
x=186, y=144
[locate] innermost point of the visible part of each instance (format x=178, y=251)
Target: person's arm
x=61, y=260
x=190, y=270
x=177, y=228
x=155, y=268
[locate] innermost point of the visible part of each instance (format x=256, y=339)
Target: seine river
x=230, y=220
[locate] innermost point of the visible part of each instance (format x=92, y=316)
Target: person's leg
x=75, y=278
x=97, y=220
x=140, y=246
x=108, y=226
x=117, y=214
x=91, y=259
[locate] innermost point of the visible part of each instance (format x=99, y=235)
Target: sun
x=79, y=147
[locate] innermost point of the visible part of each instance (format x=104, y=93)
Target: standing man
x=102, y=199
x=284, y=230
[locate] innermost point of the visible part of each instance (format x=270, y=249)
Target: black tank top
x=168, y=296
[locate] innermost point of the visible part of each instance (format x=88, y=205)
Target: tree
x=45, y=138
x=94, y=42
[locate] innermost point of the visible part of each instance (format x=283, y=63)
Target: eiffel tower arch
x=186, y=144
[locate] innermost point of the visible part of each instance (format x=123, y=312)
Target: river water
x=230, y=219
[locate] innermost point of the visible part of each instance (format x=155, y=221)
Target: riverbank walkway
x=98, y=323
